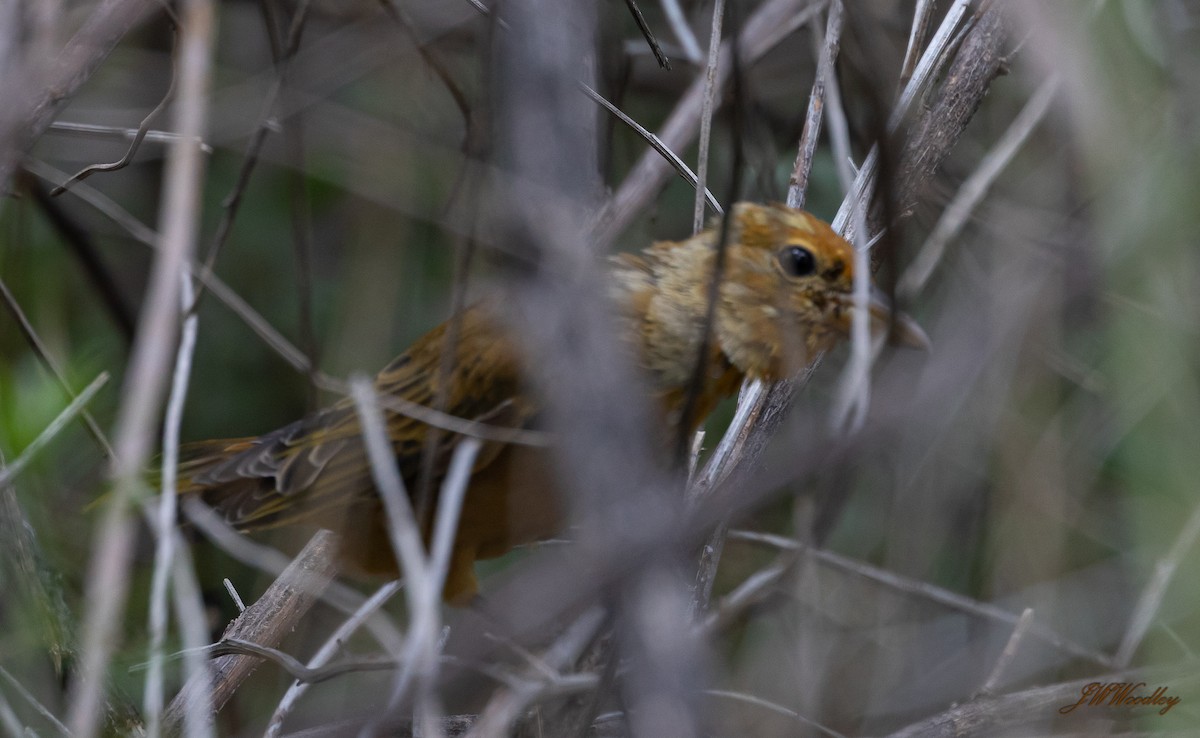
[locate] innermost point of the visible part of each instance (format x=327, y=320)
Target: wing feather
x=318, y=464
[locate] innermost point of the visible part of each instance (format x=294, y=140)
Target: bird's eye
x=797, y=261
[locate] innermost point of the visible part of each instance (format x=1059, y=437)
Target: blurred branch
x=83, y=246
x=24, y=122
x=927, y=591
x=99, y=131
x=43, y=354
x=681, y=29
x=774, y=707
x=167, y=509
x=306, y=674
x=33, y=702
x=974, y=188
x=21, y=554
x=266, y=122
x=265, y=623
x=146, y=376
x=271, y=561
x=853, y=394
x=1152, y=595
x=425, y=576
x=76, y=406
x=1007, y=655
x=543, y=678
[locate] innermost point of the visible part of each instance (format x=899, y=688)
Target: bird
x=784, y=296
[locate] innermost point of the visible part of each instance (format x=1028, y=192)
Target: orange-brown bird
x=785, y=296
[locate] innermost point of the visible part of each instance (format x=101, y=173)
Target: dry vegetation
x=956, y=546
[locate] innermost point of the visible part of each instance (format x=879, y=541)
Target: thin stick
x=706, y=113
x=972, y=191
x=33, y=702
x=10, y=471
x=138, y=135
x=167, y=509
x=931, y=60
x=656, y=143
x=233, y=594
x=916, y=37
x=191, y=614
x=403, y=531
x=1006, y=656
x=233, y=200
x=648, y=34
x=10, y=721
x=771, y=22
x=92, y=129
x=927, y=591
x=754, y=590
x=104, y=27
x=681, y=29
x=327, y=651
x=1154, y=591
x=405, y=536
x=854, y=391
x=108, y=577
x=774, y=707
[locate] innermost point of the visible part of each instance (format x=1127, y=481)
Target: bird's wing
x=319, y=463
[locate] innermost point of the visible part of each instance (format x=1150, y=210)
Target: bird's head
x=787, y=292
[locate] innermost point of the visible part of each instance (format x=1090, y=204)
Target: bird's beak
x=901, y=329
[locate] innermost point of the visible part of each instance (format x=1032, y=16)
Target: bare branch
x=706, y=113
x=265, y=622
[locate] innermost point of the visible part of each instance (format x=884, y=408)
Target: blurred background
x=1044, y=455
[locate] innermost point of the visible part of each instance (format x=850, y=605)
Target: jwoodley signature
x=1121, y=694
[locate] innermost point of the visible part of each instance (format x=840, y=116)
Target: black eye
x=797, y=261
